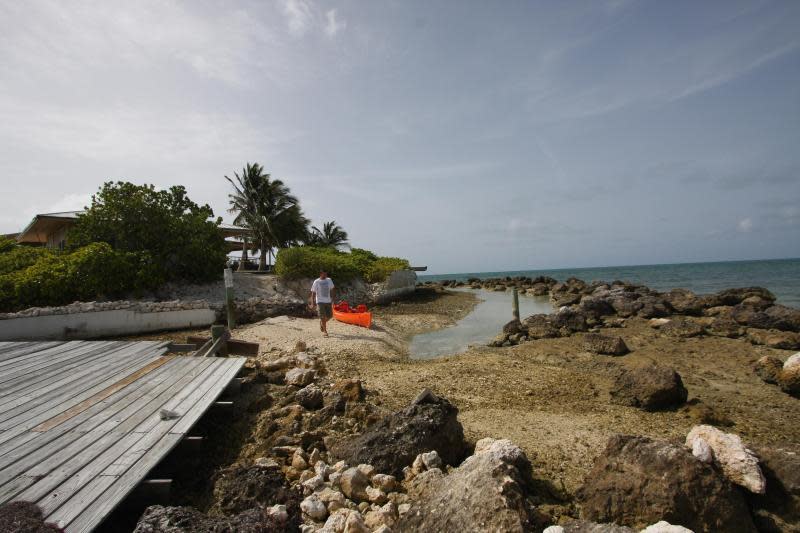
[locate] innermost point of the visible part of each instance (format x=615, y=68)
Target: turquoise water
x=479, y=327
x=781, y=276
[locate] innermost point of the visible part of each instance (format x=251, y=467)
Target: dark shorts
x=325, y=311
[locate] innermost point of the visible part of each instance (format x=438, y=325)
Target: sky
x=465, y=136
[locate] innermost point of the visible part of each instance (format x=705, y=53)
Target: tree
x=331, y=235
x=266, y=207
x=182, y=237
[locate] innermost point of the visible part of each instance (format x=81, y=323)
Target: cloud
x=745, y=225
x=299, y=16
x=332, y=23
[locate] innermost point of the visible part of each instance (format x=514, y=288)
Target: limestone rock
x=650, y=388
x=702, y=451
x=769, y=368
x=638, y=481
x=384, y=482
x=314, y=508
x=684, y=302
x=585, y=526
x=789, y=380
x=394, y=442
x=682, y=327
x=515, y=326
x=794, y=360
x=485, y=493
x=604, y=344
x=278, y=364
x=665, y=527
x=780, y=340
x=354, y=484
x=300, y=377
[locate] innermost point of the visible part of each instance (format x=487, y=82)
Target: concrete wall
x=400, y=283
x=102, y=324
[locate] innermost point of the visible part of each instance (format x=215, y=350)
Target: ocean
x=781, y=276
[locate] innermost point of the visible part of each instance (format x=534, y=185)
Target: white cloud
x=745, y=225
x=299, y=16
x=332, y=23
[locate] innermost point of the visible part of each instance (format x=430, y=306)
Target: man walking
x=321, y=297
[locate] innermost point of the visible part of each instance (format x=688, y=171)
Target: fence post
x=515, y=302
x=228, y=276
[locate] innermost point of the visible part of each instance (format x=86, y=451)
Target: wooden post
x=515, y=302
x=217, y=331
x=229, y=298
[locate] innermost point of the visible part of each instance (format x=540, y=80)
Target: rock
x=240, y=488
x=684, y=302
x=650, y=388
x=702, y=451
x=738, y=295
x=350, y=389
x=485, y=493
x=595, y=307
x=540, y=327
x=396, y=440
x=376, y=495
x=309, y=397
x=793, y=360
x=780, y=340
x=604, y=344
x=367, y=470
x=789, y=380
x=386, y=517
x=665, y=527
x=739, y=464
x=313, y=482
x=652, y=307
x=682, y=327
x=768, y=368
x=304, y=360
x=384, y=482
x=333, y=499
x=300, y=377
x=779, y=509
x=24, y=517
x=159, y=519
x=354, y=484
x=658, y=322
x=784, y=318
x=278, y=364
x=515, y=326
x=355, y=524
x=585, y=526
x=314, y=508
x=569, y=321
x=299, y=460
x=725, y=327
x=638, y=481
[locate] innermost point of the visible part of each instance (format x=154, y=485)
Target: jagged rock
x=159, y=519
x=278, y=364
x=637, y=481
x=349, y=389
x=769, y=368
x=310, y=397
x=512, y=327
x=650, y=388
x=384, y=482
x=789, y=380
x=684, y=302
x=780, y=340
x=569, y=321
x=314, y=508
x=665, y=527
x=778, y=511
x=702, y=451
x=739, y=464
x=793, y=360
x=775, y=317
x=354, y=484
x=333, y=499
x=24, y=517
x=682, y=327
x=585, y=526
x=540, y=327
x=300, y=377
x=653, y=307
x=485, y=493
x=385, y=517
x=605, y=344
x=785, y=318
x=395, y=441
x=725, y=327
x=738, y=295
x=239, y=488
x=595, y=307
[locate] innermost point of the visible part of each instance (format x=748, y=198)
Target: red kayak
x=358, y=316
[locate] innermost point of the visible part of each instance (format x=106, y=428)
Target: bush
x=307, y=261
x=92, y=272
x=15, y=258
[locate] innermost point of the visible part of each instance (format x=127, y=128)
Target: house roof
x=44, y=224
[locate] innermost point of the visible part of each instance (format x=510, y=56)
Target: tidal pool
x=478, y=327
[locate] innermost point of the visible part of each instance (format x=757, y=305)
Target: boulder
x=779, y=509
x=739, y=464
x=512, y=327
x=772, y=338
x=391, y=444
x=775, y=317
x=354, y=484
x=725, y=327
x=650, y=388
x=684, y=302
x=604, y=344
x=569, y=321
x=314, y=508
x=665, y=527
x=487, y=492
x=638, y=481
x=793, y=360
x=595, y=307
x=300, y=377
x=789, y=380
x=653, y=307
x=160, y=519
x=310, y=397
x=738, y=295
x=785, y=318
x=682, y=327
x=585, y=526
x=540, y=327
x=769, y=368
x=350, y=389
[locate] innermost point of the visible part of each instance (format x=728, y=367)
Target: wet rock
x=682, y=327
x=396, y=440
x=739, y=464
x=605, y=344
x=769, y=368
x=24, y=517
x=638, y=481
x=300, y=377
x=239, y=488
x=684, y=302
x=159, y=519
x=485, y=493
x=780, y=340
x=310, y=397
x=779, y=509
x=650, y=388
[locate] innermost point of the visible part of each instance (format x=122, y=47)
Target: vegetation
x=331, y=235
x=267, y=207
x=14, y=258
x=307, y=261
x=92, y=272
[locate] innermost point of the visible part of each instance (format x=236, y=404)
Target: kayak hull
x=356, y=319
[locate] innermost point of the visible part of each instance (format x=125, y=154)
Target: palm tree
x=331, y=235
x=267, y=208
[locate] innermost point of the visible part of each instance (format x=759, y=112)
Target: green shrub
x=92, y=272
x=16, y=258
x=307, y=261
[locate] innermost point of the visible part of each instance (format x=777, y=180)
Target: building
x=50, y=229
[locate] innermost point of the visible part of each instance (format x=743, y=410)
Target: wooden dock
x=80, y=421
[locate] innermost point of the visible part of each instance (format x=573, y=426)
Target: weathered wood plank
x=21, y=349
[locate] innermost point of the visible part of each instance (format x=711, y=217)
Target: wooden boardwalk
x=80, y=424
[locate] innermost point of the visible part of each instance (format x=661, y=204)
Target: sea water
x=781, y=276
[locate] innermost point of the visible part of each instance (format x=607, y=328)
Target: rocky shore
x=626, y=424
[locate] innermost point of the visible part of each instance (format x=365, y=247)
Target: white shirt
x=322, y=290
